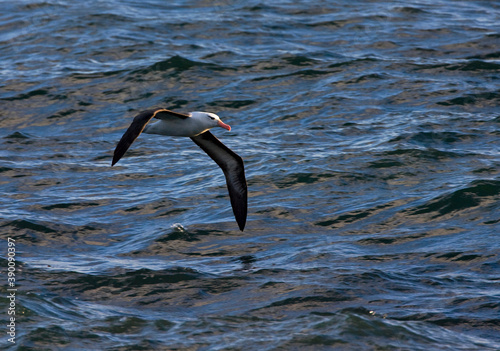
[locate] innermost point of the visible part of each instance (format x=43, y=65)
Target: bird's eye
x=212, y=118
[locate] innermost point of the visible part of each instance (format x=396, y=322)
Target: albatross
x=195, y=125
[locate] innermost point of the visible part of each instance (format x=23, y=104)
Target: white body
x=197, y=123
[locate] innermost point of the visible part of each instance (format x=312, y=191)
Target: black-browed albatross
x=195, y=125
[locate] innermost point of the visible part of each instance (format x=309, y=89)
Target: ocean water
x=370, y=135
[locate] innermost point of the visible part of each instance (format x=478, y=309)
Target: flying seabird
x=195, y=125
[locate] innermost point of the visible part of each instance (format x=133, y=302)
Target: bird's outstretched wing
x=234, y=171
x=137, y=127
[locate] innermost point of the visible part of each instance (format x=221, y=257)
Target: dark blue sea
x=370, y=135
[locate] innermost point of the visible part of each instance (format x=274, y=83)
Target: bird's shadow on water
x=188, y=243
x=246, y=261
x=188, y=236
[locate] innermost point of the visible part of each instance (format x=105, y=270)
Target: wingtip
x=241, y=224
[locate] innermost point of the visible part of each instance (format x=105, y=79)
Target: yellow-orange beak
x=224, y=125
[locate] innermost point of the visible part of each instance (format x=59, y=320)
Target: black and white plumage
x=194, y=125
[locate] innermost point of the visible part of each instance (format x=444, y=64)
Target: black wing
x=234, y=171
x=137, y=127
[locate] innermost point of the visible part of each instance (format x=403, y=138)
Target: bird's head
x=209, y=120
